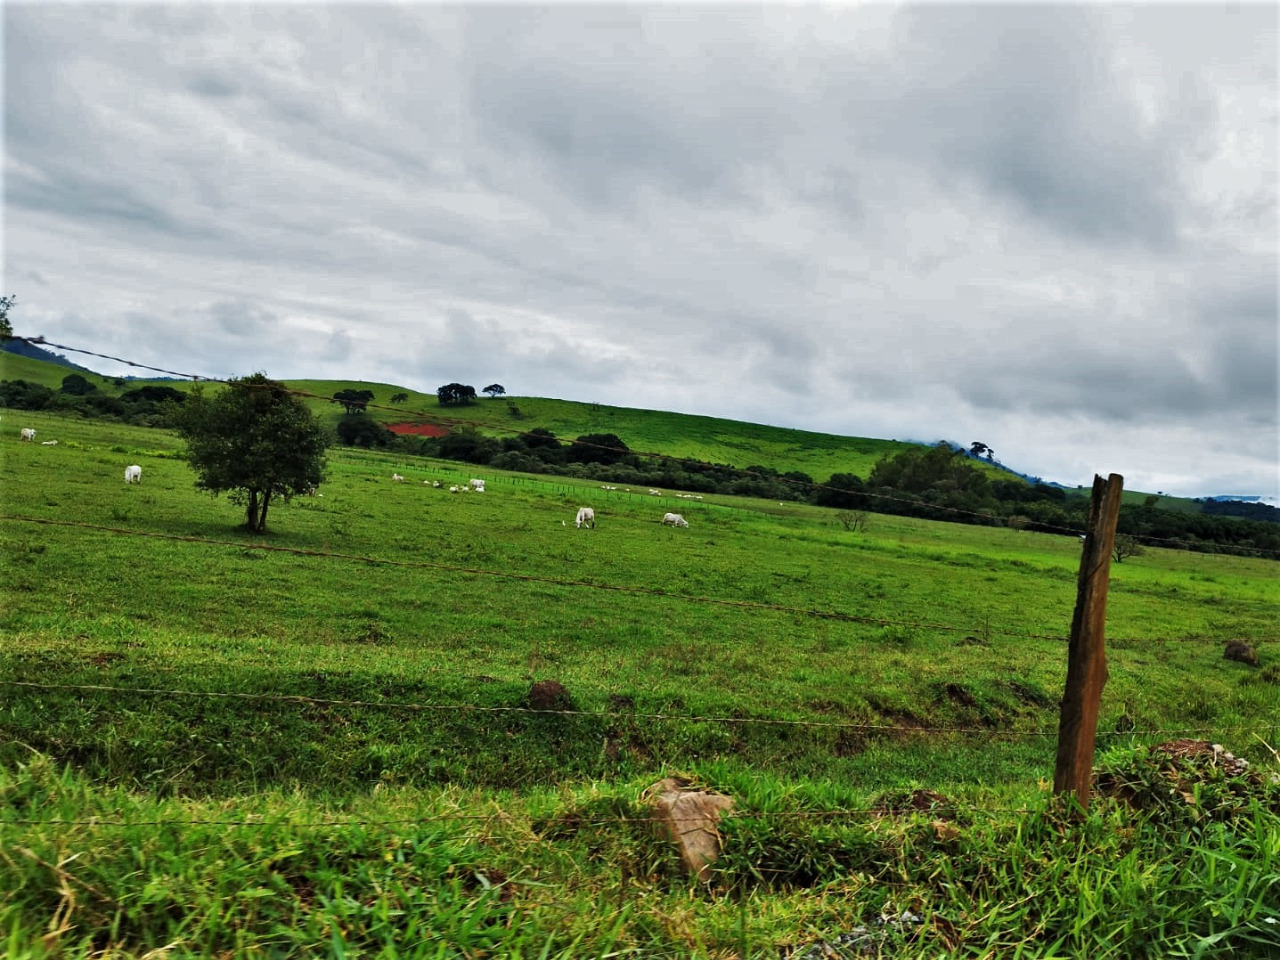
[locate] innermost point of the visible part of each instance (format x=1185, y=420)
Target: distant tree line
x=932, y=482
x=147, y=406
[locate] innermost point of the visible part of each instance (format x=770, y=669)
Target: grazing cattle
x=655, y=493
x=48, y=443
x=397, y=478
x=133, y=474
x=585, y=516
x=675, y=520
x=28, y=433
x=477, y=486
x=454, y=488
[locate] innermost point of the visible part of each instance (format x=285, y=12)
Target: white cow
x=585, y=516
x=477, y=486
x=454, y=488
x=133, y=474
x=675, y=520
x=397, y=478
x=48, y=443
x=435, y=484
x=28, y=433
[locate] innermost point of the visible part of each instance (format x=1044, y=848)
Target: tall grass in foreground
x=580, y=873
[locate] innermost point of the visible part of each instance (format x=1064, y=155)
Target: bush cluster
x=148, y=406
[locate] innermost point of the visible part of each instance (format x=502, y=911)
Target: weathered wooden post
x=1086, y=654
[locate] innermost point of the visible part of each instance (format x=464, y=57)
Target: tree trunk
x=262, y=517
x=251, y=512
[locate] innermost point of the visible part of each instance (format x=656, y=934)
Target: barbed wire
x=657, y=592
x=873, y=728
x=987, y=519
x=568, y=818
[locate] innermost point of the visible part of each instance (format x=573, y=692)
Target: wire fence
x=985, y=518
x=551, y=820
x=897, y=730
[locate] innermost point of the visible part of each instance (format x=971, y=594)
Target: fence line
x=875, y=728
x=589, y=584
x=846, y=813
x=988, y=519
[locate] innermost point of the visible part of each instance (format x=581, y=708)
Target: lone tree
x=452, y=394
x=494, y=390
x=254, y=439
x=399, y=398
x=1125, y=546
x=76, y=385
x=6, y=328
x=353, y=401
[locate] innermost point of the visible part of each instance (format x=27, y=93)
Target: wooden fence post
x=1086, y=654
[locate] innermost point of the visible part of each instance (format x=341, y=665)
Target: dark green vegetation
x=255, y=440
x=914, y=654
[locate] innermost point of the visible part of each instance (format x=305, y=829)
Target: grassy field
x=414, y=621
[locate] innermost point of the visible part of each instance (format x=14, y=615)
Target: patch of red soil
x=418, y=429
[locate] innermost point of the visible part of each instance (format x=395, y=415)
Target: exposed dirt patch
x=418, y=429
x=1189, y=780
x=548, y=695
x=956, y=693
x=1031, y=696
x=917, y=801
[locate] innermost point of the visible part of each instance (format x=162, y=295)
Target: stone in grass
x=690, y=819
x=862, y=941
x=1240, y=651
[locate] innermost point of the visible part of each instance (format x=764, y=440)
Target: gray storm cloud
x=1026, y=224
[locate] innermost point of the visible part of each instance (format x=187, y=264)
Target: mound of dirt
x=1189, y=778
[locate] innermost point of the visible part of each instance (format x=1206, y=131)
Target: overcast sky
x=1049, y=229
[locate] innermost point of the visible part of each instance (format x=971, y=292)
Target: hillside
x=709, y=439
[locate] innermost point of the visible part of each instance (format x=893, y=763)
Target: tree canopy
x=361, y=430
x=255, y=440
x=495, y=390
x=353, y=401
x=598, y=448
x=6, y=304
x=452, y=394
x=77, y=385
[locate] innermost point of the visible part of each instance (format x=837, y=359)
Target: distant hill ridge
x=23, y=349
x=678, y=435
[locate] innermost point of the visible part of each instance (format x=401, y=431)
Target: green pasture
x=437, y=611
x=757, y=610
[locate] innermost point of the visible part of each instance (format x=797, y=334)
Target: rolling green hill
x=709, y=439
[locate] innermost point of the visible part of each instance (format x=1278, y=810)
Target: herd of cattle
x=132, y=473
x=586, y=515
